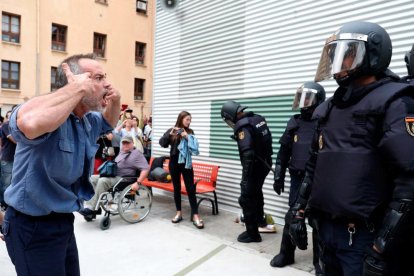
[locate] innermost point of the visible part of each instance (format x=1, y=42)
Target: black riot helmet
x=229, y=112
x=356, y=49
x=409, y=61
x=309, y=95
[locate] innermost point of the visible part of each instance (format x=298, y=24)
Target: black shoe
x=89, y=214
x=246, y=238
x=318, y=270
x=281, y=260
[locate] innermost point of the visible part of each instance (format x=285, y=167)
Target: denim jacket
x=187, y=147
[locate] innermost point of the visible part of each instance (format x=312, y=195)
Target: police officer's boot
x=250, y=235
x=287, y=251
x=318, y=269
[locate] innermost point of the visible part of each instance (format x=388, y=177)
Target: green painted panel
x=276, y=109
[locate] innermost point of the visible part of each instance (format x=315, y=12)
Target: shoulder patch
x=241, y=135
x=409, y=125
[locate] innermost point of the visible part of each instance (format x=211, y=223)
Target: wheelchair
x=132, y=206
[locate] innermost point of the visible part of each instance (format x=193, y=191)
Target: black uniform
x=294, y=151
x=254, y=141
x=363, y=176
x=293, y=154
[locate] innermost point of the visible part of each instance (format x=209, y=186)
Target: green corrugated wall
x=277, y=110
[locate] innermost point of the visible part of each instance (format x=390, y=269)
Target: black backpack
x=156, y=163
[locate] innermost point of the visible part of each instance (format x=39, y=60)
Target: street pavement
x=156, y=246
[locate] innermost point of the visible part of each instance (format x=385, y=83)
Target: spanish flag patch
x=409, y=125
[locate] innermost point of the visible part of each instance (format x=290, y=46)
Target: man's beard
x=92, y=103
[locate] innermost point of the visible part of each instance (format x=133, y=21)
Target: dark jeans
x=43, y=246
x=176, y=170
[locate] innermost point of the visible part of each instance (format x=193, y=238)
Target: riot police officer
x=293, y=153
x=409, y=62
x=360, y=176
x=254, y=141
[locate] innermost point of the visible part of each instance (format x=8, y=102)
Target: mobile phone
x=180, y=131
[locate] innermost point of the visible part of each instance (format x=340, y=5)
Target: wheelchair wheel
x=105, y=223
x=134, y=206
x=109, y=203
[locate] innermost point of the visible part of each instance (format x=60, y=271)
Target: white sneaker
x=270, y=228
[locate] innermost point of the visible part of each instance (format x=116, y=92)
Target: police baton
x=267, y=165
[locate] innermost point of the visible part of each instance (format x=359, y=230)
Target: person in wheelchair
x=129, y=160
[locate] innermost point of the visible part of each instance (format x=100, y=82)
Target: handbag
x=108, y=169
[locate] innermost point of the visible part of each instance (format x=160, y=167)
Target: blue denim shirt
x=51, y=172
x=188, y=147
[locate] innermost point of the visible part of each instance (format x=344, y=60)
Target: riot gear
x=361, y=159
x=229, y=112
x=254, y=142
x=356, y=49
x=308, y=95
x=294, y=153
x=409, y=61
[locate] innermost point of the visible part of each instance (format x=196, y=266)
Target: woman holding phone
x=173, y=137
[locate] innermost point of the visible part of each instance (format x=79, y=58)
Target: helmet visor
x=229, y=123
x=305, y=97
x=339, y=58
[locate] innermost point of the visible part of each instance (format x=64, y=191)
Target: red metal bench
x=205, y=178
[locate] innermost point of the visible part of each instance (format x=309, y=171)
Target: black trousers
x=176, y=170
x=251, y=195
x=296, y=178
x=44, y=245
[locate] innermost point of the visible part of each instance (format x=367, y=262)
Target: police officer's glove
x=279, y=186
x=297, y=230
x=375, y=264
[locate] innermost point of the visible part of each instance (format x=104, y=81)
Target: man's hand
x=375, y=264
x=112, y=94
x=135, y=186
x=279, y=177
x=83, y=82
x=297, y=230
x=112, y=103
x=279, y=186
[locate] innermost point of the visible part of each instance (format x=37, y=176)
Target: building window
x=139, y=89
x=142, y=6
x=99, y=42
x=102, y=1
x=59, y=37
x=53, y=78
x=139, y=52
x=10, y=74
x=10, y=26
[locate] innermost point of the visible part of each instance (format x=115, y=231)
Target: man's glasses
x=99, y=77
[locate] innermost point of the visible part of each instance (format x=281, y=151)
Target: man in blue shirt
x=56, y=138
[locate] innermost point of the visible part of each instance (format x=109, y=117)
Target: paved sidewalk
x=157, y=247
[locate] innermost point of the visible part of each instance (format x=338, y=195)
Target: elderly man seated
x=129, y=160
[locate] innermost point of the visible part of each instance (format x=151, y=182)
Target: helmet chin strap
x=306, y=113
x=351, y=75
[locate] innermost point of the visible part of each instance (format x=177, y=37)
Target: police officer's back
x=254, y=142
x=360, y=172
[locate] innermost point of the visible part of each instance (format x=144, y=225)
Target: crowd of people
x=349, y=159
